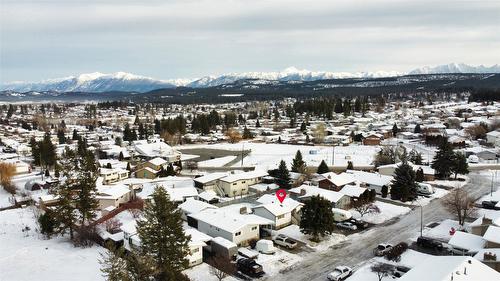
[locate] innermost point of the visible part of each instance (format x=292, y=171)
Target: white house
x=113, y=175
x=198, y=240
x=113, y=195
x=237, y=184
x=157, y=149
x=493, y=137
x=238, y=228
x=305, y=192
x=282, y=214
x=371, y=180
x=192, y=206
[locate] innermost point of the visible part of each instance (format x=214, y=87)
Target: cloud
x=189, y=38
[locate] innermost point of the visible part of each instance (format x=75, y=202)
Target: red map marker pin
x=281, y=194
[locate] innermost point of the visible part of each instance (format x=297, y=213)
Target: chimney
x=302, y=192
x=243, y=210
x=490, y=257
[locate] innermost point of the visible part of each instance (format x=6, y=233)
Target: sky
x=165, y=39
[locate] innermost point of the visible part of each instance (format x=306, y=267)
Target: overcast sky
x=164, y=39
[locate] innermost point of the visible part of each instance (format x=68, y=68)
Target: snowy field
x=387, y=212
x=268, y=156
x=293, y=231
x=217, y=162
x=26, y=255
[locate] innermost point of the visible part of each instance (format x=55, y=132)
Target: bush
x=85, y=236
x=47, y=224
x=384, y=191
x=395, y=253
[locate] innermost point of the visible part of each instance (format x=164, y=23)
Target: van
x=340, y=215
x=426, y=189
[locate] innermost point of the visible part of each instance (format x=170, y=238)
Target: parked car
x=490, y=205
x=425, y=189
x=285, y=241
x=347, y=225
x=382, y=249
x=249, y=267
x=426, y=242
x=359, y=223
x=400, y=271
x=340, y=273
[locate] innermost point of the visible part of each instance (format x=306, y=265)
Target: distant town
x=369, y=187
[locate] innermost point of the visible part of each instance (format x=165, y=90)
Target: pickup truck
x=249, y=267
x=285, y=241
x=340, y=273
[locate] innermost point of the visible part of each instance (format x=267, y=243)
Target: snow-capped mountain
x=121, y=81
x=94, y=82
x=456, y=68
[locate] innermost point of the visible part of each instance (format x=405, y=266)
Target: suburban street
x=358, y=247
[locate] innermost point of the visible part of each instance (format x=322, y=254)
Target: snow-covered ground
x=217, y=162
x=268, y=156
x=202, y=273
x=387, y=212
x=293, y=231
x=26, y=255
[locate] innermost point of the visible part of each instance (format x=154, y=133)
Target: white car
x=340, y=273
x=285, y=241
x=347, y=225
x=382, y=249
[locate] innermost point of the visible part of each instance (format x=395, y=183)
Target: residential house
x=372, y=139
x=113, y=175
x=155, y=149
x=371, y=180
x=333, y=181
x=113, y=195
x=305, y=192
x=281, y=213
x=237, y=184
x=237, y=227
x=192, y=206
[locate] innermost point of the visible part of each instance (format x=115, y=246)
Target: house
x=372, y=180
x=333, y=181
x=490, y=257
x=237, y=184
x=354, y=191
x=480, y=152
x=192, y=206
x=113, y=195
x=113, y=175
x=237, y=227
x=282, y=214
x=305, y=192
x=372, y=139
x=388, y=170
x=157, y=149
x=196, y=243
x=492, y=237
x=466, y=243
x=447, y=268
x=493, y=137
x=146, y=173
x=21, y=167
x=209, y=181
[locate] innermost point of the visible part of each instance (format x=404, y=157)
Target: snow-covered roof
x=310, y=191
x=208, y=195
x=192, y=206
x=370, y=178
x=467, y=241
x=492, y=234
x=155, y=149
x=244, y=176
x=157, y=161
x=111, y=191
x=229, y=221
x=338, y=179
x=211, y=177
x=446, y=268
x=352, y=190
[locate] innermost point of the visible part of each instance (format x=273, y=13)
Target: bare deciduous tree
x=221, y=267
x=461, y=203
x=382, y=270
x=366, y=208
x=7, y=171
x=319, y=133
x=233, y=135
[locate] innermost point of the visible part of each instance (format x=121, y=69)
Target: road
x=358, y=248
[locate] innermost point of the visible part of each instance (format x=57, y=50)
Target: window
x=280, y=216
x=234, y=183
x=237, y=233
x=254, y=228
x=243, y=181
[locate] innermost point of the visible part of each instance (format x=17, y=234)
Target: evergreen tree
x=75, y=135
x=357, y=105
x=298, y=164
x=350, y=166
x=86, y=202
x=247, y=134
x=323, y=168
x=283, y=175
x=384, y=191
x=460, y=165
x=417, y=129
x=303, y=127
x=317, y=217
x=47, y=223
x=65, y=211
x=171, y=170
x=120, y=156
x=61, y=136
x=114, y=266
x=163, y=238
x=419, y=175
x=443, y=160
x=416, y=157
x=403, y=186
x=257, y=124
x=395, y=130
x=47, y=151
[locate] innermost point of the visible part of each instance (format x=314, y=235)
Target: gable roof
x=228, y=221
x=467, y=241
x=310, y=190
x=338, y=179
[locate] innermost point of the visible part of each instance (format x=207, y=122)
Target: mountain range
x=126, y=82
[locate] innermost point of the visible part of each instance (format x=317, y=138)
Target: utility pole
x=333, y=155
x=242, y=150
